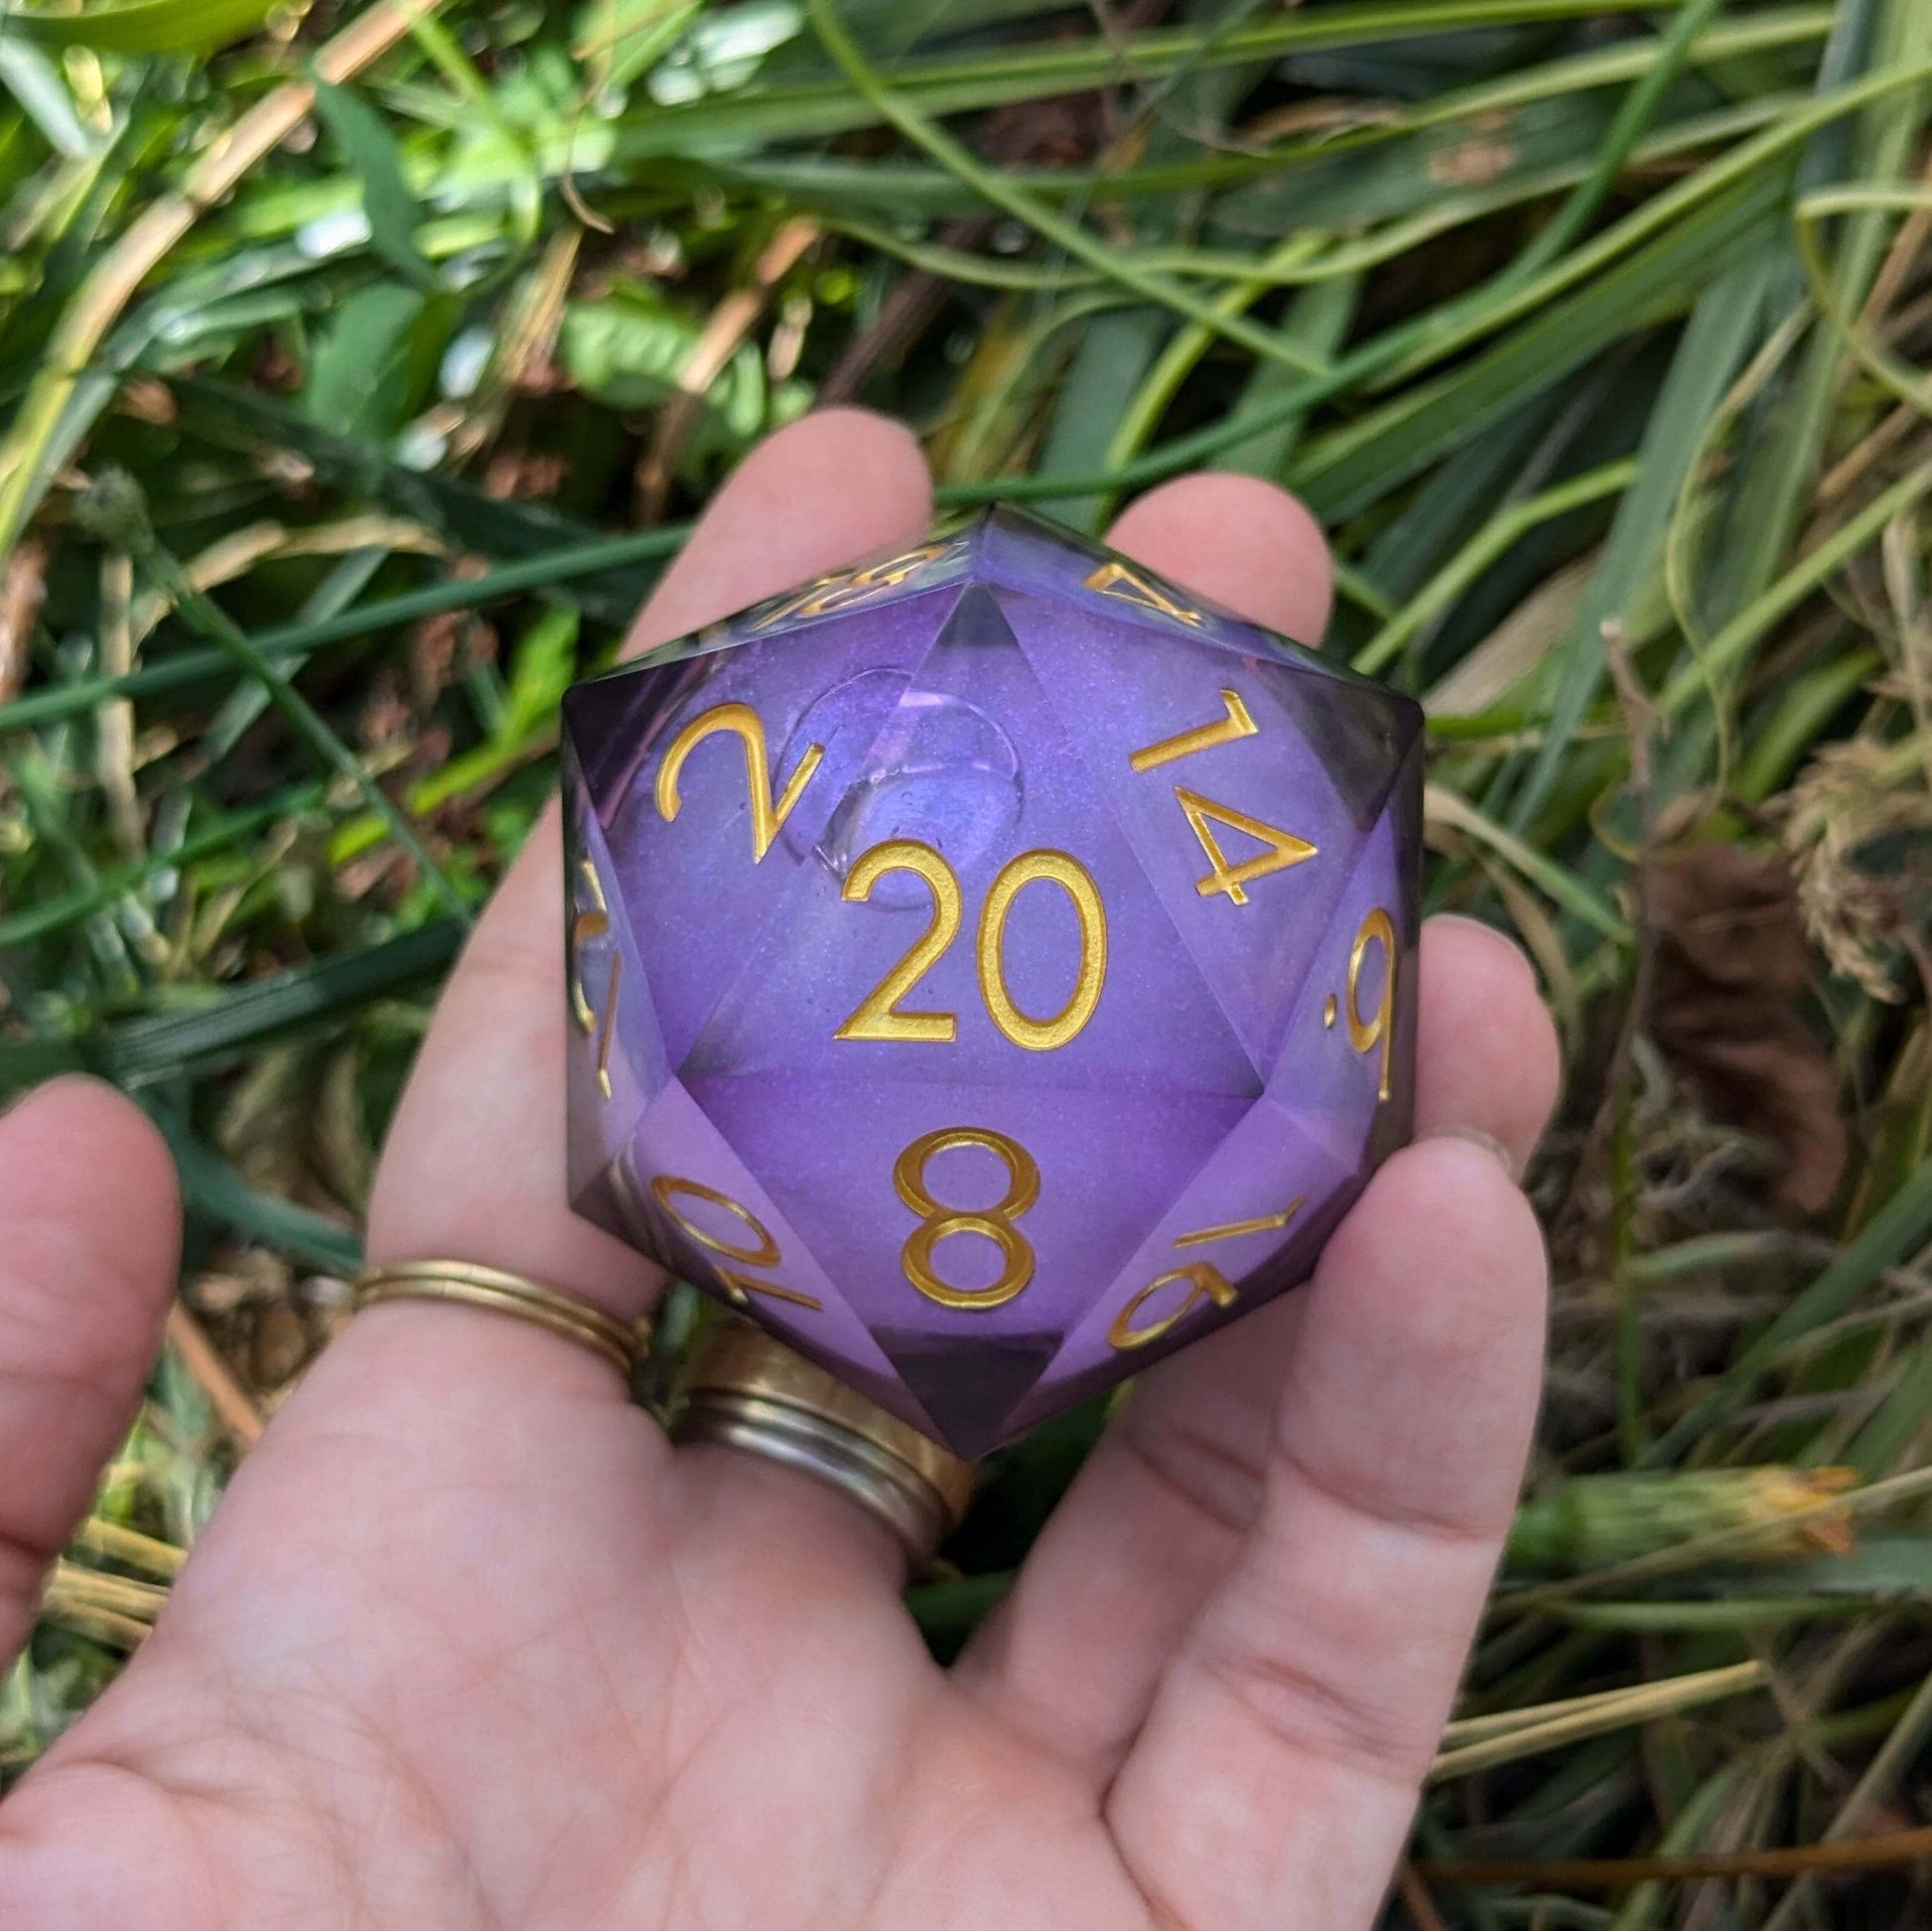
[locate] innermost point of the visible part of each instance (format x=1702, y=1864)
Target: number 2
x=768, y=810
x=876, y=1016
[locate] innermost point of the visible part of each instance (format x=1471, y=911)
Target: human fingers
x=473, y=1168
x=1277, y=1772
x=91, y=1234
x=1162, y=1503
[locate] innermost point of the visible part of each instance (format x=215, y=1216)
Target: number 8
x=994, y=1223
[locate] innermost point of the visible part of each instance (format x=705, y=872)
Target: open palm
x=470, y=1644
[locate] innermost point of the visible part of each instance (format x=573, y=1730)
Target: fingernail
x=1515, y=945
x=1477, y=1138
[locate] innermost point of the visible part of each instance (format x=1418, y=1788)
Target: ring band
x=744, y=1390
x=465, y=1284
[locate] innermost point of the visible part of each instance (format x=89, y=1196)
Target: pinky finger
x=90, y=1234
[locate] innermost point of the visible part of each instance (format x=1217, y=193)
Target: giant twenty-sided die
x=990, y=968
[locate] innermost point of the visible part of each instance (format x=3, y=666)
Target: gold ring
x=465, y=1284
x=748, y=1391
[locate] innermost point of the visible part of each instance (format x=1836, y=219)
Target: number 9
x=1363, y=1035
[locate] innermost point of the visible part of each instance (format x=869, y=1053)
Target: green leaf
x=547, y=661
x=627, y=348
x=1898, y=1228
x=630, y=350
x=371, y=149
x=359, y=376
x=212, y=1188
x=141, y=26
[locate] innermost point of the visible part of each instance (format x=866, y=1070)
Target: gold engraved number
x=1238, y=722
x=1205, y=1280
x=837, y=593
x=1122, y=580
x=1233, y=1230
x=586, y=926
x=768, y=812
x=1283, y=848
x=995, y=1223
x=761, y=1252
x=1044, y=1036
x=1364, y=1035
x=878, y=1014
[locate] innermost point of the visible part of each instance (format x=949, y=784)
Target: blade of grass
x=37, y=429
x=1113, y=264
x=1723, y=654
x=212, y=1188
x=1902, y=1224
x=299, y=639
x=1480, y=552
x=1719, y=336
x=116, y=505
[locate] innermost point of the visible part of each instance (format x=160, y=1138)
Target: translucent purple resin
x=991, y=969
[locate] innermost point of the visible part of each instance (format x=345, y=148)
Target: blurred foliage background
x=359, y=369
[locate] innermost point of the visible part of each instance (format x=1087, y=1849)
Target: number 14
x=1281, y=848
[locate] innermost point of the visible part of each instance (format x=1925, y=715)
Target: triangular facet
x=1158, y=721
x=1345, y=1061
x=970, y=1392
x=614, y=1055
x=703, y=1212
x=1017, y=550
x=1021, y=552
x=1362, y=734
x=1251, y=1219
x=1011, y=889
x=813, y=612
x=699, y=891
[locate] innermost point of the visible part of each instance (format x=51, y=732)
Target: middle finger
x=1167, y=1499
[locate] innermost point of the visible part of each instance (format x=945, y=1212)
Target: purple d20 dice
x=991, y=969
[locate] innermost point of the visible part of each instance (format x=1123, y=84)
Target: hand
x=470, y=1644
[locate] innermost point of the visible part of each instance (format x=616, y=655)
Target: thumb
x=90, y=1235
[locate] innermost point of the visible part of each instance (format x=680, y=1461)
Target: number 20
x=878, y=1015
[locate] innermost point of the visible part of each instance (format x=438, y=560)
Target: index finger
x=474, y=1169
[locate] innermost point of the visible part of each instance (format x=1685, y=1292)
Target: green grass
x=1599, y=340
